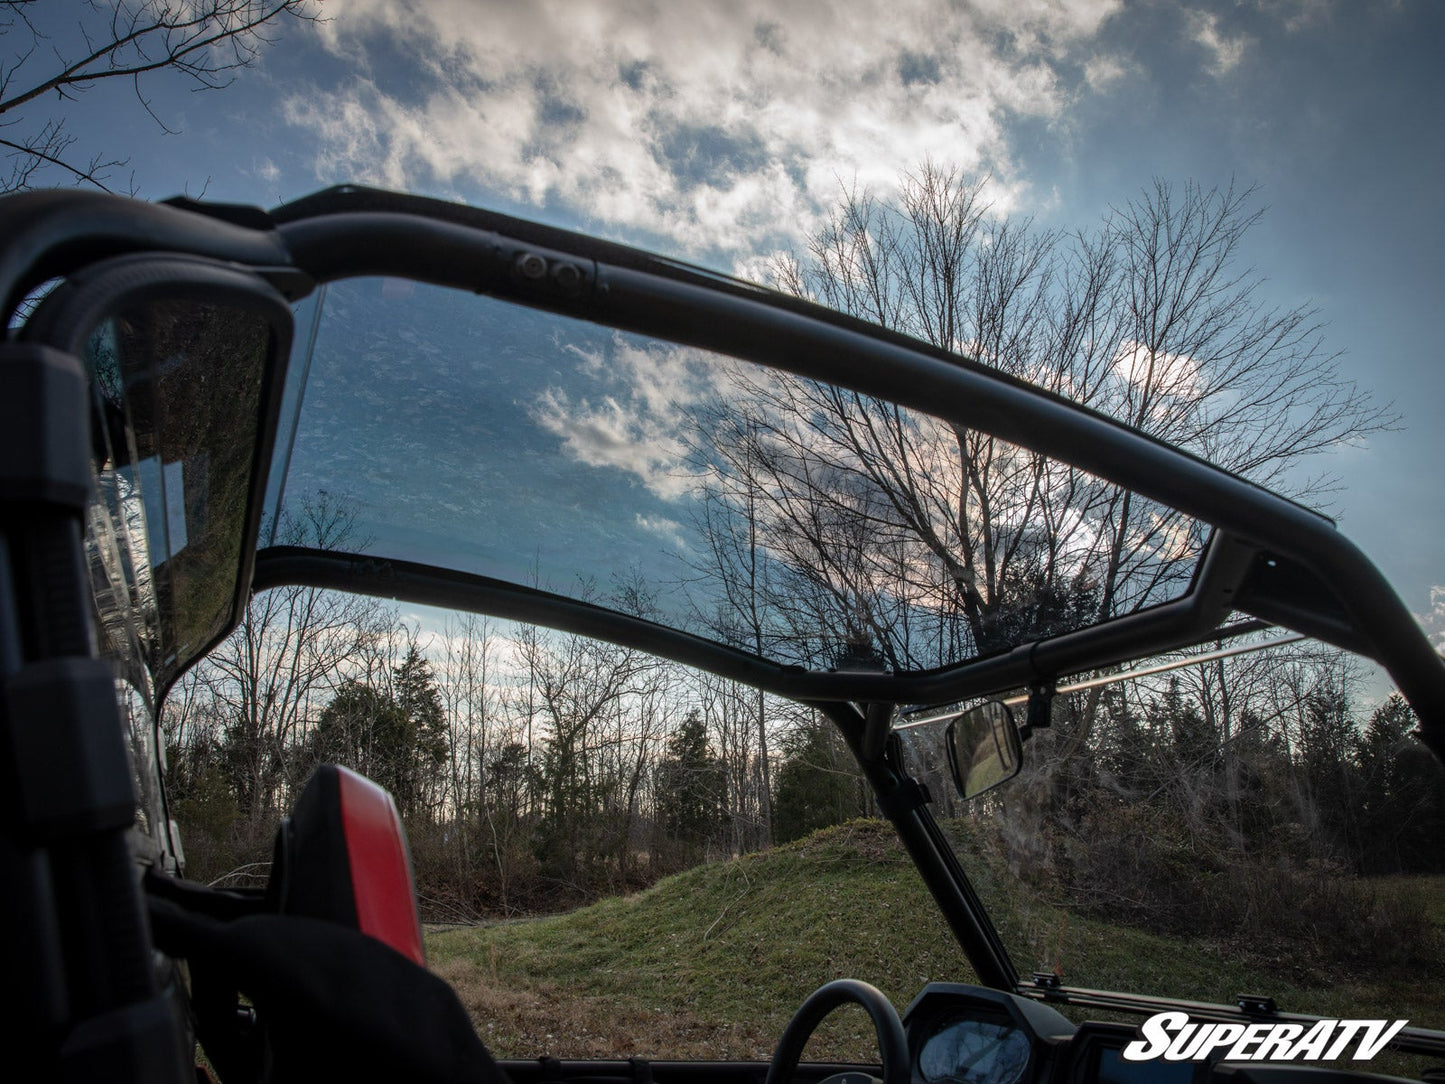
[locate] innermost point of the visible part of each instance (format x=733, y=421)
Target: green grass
x=712, y=962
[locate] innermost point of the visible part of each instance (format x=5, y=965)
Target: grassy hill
x=712, y=962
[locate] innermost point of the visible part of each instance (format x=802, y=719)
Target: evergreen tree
x=364, y=729
x=396, y=738
x=1330, y=797
x=818, y=785
x=420, y=702
x=690, y=785
x=1403, y=803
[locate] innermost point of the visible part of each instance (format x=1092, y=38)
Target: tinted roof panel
x=793, y=519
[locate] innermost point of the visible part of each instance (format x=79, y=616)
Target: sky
x=722, y=133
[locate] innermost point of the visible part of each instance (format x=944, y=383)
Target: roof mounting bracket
x=1039, y=713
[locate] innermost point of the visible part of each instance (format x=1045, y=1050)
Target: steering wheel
x=892, y=1043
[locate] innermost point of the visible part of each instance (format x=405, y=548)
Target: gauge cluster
x=971, y=1035
x=961, y=1034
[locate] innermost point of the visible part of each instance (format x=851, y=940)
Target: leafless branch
x=205, y=42
x=933, y=543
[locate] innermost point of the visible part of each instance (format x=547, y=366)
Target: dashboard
x=961, y=1034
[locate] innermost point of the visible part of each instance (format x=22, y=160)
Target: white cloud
x=1104, y=71
x=758, y=267
x=1164, y=375
x=713, y=125
x=1225, y=52
x=637, y=422
x=1434, y=622
x=1296, y=15
x=669, y=529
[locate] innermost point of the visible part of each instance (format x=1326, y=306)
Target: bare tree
x=294, y=646
x=833, y=516
x=936, y=542
x=466, y=674
x=601, y=709
x=43, y=75
x=738, y=718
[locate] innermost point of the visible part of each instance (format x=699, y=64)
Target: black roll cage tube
x=1267, y=556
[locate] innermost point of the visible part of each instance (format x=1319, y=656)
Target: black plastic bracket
x=878, y=720
x=904, y=798
x=1040, y=706
x=65, y=742
x=44, y=419
x=1256, y=1004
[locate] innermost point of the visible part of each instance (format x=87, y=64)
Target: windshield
x=1243, y=825
x=789, y=518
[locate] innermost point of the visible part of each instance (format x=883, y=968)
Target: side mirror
x=186, y=361
x=983, y=748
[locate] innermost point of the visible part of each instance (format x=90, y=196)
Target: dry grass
x=541, y=1017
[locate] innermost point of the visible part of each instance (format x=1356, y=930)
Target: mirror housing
x=984, y=749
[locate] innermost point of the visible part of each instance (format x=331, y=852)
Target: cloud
x=1103, y=72
x=1297, y=15
x=669, y=529
x=1173, y=377
x=461, y=654
x=1224, y=51
x=717, y=126
x=1434, y=622
x=637, y=419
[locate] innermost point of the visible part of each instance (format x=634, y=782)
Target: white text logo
x=1170, y=1035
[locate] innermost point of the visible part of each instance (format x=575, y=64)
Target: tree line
x=535, y=769
x=531, y=768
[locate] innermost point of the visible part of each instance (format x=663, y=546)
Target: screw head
x=567, y=276
x=531, y=266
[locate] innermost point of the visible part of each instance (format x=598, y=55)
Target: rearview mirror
x=983, y=748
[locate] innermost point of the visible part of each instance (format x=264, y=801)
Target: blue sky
x=720, y=133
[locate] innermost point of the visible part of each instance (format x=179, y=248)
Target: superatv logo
x=1171, y=1036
